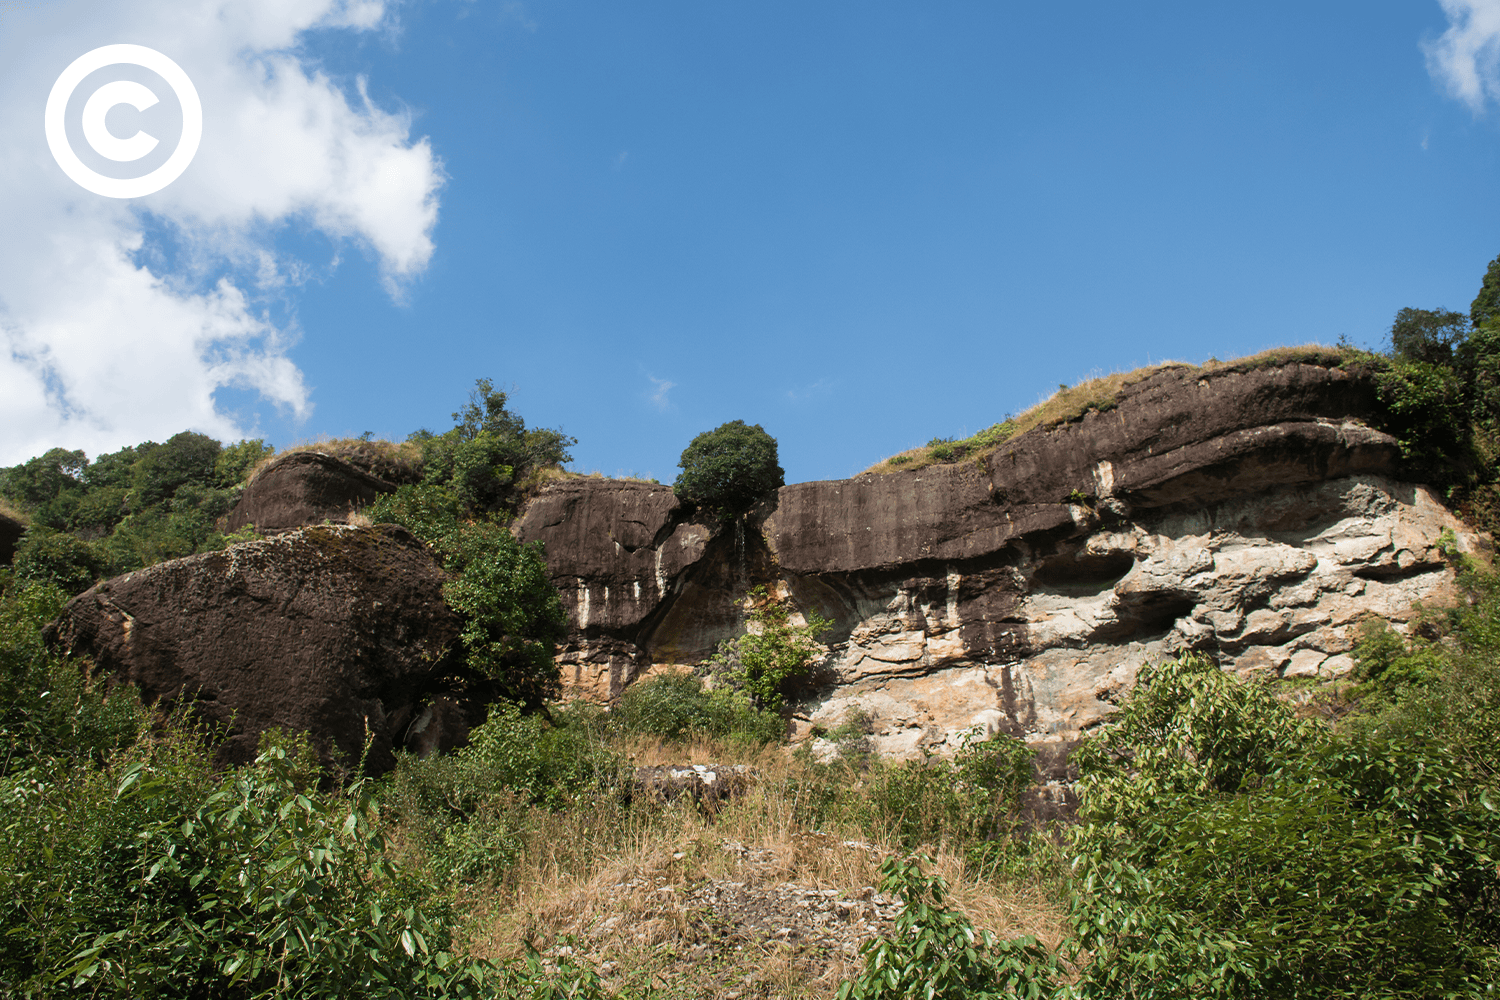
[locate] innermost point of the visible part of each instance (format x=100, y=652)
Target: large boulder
x=11, y=531
x=337, y=631
x=304, y=488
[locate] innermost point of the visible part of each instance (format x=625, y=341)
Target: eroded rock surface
x=1249, y=514
x=305, y=488
x=336, y=631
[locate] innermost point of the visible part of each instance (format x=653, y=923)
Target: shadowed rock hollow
x=11, y=531
x=1250, y=514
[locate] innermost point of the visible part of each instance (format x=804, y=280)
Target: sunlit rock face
x=1249, y=514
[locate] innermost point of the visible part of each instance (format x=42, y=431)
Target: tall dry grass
x=618, y=886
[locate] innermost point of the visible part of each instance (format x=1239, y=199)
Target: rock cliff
x=1251, y=513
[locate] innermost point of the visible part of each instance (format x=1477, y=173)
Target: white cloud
x=102, y=345
x=1466, y=58
x=660, y=388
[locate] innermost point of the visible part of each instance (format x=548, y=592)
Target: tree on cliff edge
x=729, y=469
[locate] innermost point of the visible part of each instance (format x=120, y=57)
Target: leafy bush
x=236, y=460
x=1444, y=687
x=773, y=654
x=934, y=953
x=51, y=707
x=51, y=557
x=674, y=706
x=431, y=512
x=513, y=617
x=162, y=469
x=729, y=469
x=163, y=881
x=1231, y=850
x=468, y=811
x=490, y=456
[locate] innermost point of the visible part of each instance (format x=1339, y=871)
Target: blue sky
x=860, y=225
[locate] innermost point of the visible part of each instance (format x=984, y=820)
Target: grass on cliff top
x=1101, y=393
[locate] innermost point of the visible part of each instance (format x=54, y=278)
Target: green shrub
x=162, y=469
x=51, y=707
x=1230, y=850
x=161, y=880
x=513, y=617
x=489, y=457
x=774, y=654
x=430, y=512
x=1445, y=688
x=674, y=706
x=469, y=811
x=236, y=460
x=935, y=953
x=62, y=560
x=729, y=469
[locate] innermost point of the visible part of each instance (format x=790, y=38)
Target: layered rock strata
x=1250, y=514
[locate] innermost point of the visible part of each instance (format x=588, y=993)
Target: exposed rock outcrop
x=1246, y=513
x=303, y=488
x=337, y=631
x=705, y=783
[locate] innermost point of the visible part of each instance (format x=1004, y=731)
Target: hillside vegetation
x=1229, y=844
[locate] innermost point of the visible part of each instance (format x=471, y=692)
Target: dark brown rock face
x=1174, y=437
x=622, y=554
x=11, y=531
x=1248, y=514
x=303, y=488
x=330, y=630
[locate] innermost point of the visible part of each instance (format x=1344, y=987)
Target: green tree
x=1487, y=303
x=1428, y=335
x=58, y=558
x=185, y=458
x=729, y=469
x=236, y=461
x=773, y=654
x=1230, y=850
x=489, y=456
x=513, y=617
x=48, y=487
